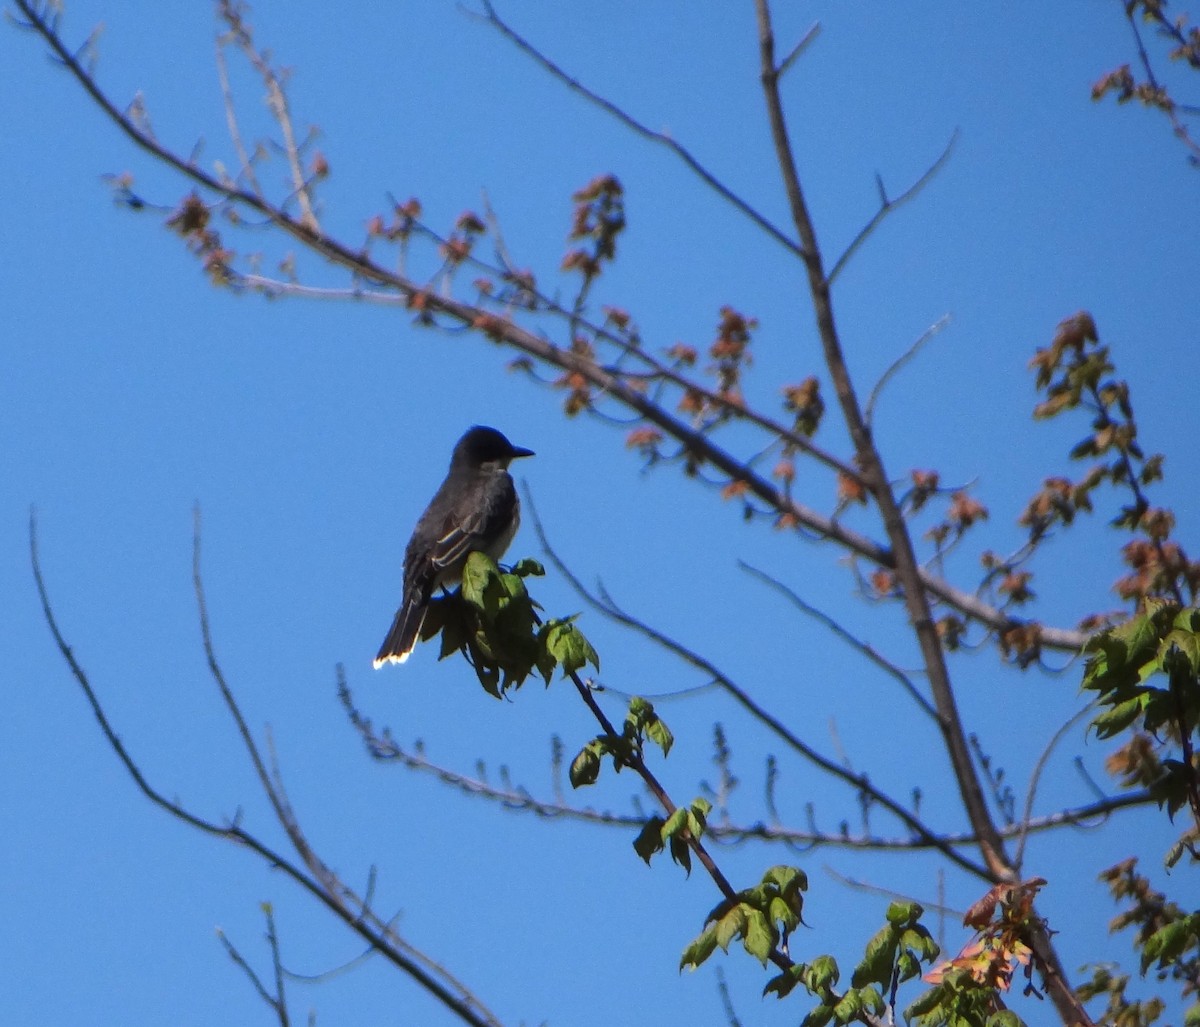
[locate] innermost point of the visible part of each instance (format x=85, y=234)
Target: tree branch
x=629, y=393
x=362, y=922
x=908, y=571
x=491, y=17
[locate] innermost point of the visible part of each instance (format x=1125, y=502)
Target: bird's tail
x=405, y=631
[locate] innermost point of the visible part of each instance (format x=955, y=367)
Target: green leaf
x=822, y=975
x=675, y=823
x=528, y=568
x=786, y=878
x=638, y=708
x=567, y=644
x=878, y=957
x=1113, y=721
x=478, y=575
x=731, y=925
x=872, y=1000
x=658, y=732
x=585, y=768
x=904, y=913
x=781, y=911
x=849, y=1007
x=1188, y=646
x=700, y=949
x=681, y=853
x=1005, y=1018
x=1168, y=943
x=819, y=1017
x=786, y=981
x=760, y=935
x=649, y=840
x=919, y=941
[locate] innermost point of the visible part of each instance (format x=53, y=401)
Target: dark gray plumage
x=475, y=509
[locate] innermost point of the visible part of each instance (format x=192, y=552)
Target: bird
x=474, y=510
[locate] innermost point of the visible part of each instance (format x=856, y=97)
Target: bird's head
x=485, y=447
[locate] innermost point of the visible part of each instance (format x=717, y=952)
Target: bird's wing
x=461, y=534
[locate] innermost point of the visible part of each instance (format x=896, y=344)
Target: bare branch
x=887, y=206
x=805, y=42
x=278, y=1001
x=908, y=571
x=491, y=17
x=867, y=650
x=873, y=889
x=383, y=747
x=246, y=166
x=731, y=1017
x=453, y=996
x=858, y=781
x=240, y=961
x=1036, y=776
x=628, y=393
x=232, y=12
x=899, y=362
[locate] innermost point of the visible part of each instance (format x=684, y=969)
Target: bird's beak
x=517, y=452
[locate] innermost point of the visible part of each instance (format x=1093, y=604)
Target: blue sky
x=312, y=434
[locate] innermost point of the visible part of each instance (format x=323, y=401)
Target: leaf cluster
x=761, y=917
x=966, y=989
x=494, y=622
x=673, y=833
x=627, y=749
x=960, y=1000
x=894, y=955
x=1167, y=937
x=1146, y=672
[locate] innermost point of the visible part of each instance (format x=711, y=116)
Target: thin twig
x=865, y=648
x=240, y=961
x=731, y=1017
x=805, y=42
x=889, y=205
x=858, y=781
x=696, y=442
x=900, y=362
x=466, y=1006
x=491, y=17
x=889, y=893
x=277, y=966
x=231, y=122
x=1035, y=779
x=277, y=101
x=383, y=747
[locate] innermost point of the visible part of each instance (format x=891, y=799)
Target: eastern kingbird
x=475, y=510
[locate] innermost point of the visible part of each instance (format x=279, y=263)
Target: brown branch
x=604, y=382
x=1035, y=778
x=707, y=177
x=908, y=571
x=278, y=1001
x=517, y=799
x=277, y=101
x=896, y=365
x=462, y=1003
x=759, y=712
x=869, y=459
x=889, y=205
x=231, y=121
x=867, y=650
x=1169, y=107
x=874, y=889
